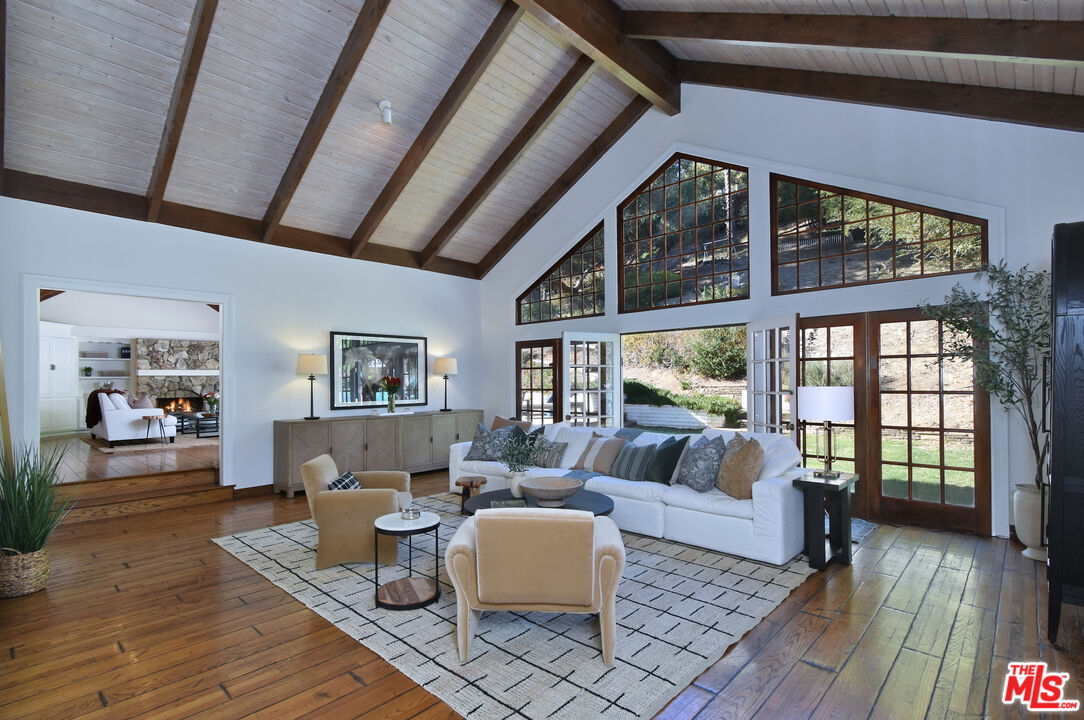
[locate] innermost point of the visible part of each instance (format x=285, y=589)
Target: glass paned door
x=592, y=379
x=771, y=352
x=827, y=359
x=538, y=381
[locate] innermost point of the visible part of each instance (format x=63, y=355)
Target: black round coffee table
x=592, y=502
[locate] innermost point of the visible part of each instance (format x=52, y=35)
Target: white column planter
x=1026, y=517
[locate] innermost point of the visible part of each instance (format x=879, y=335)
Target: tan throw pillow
x=499, y=422
x=599, y=455
x=740, y=467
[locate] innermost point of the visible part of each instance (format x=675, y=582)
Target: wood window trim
x=555, y=345
x=621, y=239
x=773, y=184
x=542, y=278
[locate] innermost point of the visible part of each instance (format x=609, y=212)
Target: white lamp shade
x=834, y=404
x=446, y=366
x=311, y=364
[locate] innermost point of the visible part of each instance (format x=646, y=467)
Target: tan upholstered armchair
x=537, y=560
x=345, y=517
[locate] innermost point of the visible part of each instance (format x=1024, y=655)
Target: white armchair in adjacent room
x=121, y=422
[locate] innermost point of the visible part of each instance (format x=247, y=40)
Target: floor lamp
x=826, y=405
x=311, y=364
x=446, y=367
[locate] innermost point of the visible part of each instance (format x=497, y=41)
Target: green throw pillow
x=665, y=459
x=632, y=461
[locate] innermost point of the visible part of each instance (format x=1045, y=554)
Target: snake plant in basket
x=30, y=510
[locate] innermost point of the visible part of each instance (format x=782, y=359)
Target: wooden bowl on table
x=550, y=491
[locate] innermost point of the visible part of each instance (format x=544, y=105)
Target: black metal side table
x=837, y=491
x=407, y=593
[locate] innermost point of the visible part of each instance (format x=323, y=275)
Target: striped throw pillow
x=550, y=453
x=599, y=455
x=632, y=462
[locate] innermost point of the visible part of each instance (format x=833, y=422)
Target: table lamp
x=826, y=405
x=311, y=364
x=446, y=367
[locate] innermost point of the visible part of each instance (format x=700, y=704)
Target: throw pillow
x=550, y=454
x=118, y=401
x=142, y=403
x=499, y=422
x=599, y=455
x=487, y=444
x=740, y=468
x=628, y=433
x=700, y=466
x=631, y=462
x=346, y=481
x=577, y=439
x=664, y=461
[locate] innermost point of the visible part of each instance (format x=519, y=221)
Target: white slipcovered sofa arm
x=777, y=509
x=456, y=453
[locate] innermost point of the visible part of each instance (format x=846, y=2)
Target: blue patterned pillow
x=700, y=466
x=487, y=443
x=346, y=481
x=632, y=462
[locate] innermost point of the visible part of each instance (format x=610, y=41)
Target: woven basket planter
x=24, y=573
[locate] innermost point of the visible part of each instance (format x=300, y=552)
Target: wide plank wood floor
x=84, y=462
x=145, y=617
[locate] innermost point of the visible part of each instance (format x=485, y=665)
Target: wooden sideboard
x=414, y=442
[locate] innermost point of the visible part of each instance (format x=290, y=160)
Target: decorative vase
x=514, y=479
x=391, y=403
x=23, y=573
x=1025, y=513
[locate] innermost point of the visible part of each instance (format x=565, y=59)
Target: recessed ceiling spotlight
x=385, y=111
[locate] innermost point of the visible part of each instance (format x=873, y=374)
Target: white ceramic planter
x=514, y=479
x=1025, y=513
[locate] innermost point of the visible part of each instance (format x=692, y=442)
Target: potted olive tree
x=1005, y=332
x=520, y=451
x=30, y=510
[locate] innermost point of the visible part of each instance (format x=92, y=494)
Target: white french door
x=771, y=348
x=592, y=379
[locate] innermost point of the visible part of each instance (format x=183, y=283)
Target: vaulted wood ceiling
x=258, y=119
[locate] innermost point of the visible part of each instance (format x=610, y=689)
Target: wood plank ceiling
x=259, y=119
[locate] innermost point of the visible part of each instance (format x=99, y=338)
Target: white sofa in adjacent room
x=768, y=528
x=121, y=422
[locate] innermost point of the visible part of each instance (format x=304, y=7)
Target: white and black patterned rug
x=678, y=609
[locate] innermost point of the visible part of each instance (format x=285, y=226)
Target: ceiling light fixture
x=385, y=111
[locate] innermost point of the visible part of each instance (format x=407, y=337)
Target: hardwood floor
x=83, y=462
x=145, y=617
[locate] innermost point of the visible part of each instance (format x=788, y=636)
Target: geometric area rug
x=678, y=610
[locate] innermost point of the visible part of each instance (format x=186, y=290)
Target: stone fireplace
x=176, y=356
x=181, y=401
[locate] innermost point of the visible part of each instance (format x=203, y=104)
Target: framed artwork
x=359, y=361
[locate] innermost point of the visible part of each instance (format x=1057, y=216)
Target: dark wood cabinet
x=1065, y=524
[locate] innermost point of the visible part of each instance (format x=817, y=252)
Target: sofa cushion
x=499, y=422
x=632, y=462
x=142, y=403
x=550, y=454
x=482, y=467
x=700, y=466
x=577, y=439
x=740, y=467
x=664, y=461
x=616, y=487
x=487, y=444
x=780, y=452
x=118, y=401
x=712, y=502
x=346, y=481
x=599, y=455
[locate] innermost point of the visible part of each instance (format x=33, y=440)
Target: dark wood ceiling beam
x=594, y=27
x=199, y=30
x=353, y=50
x=613, y=132
x=457, y=93
x=1042, y=39
x=569, y=85
x=65, y=193
x=44, y=294
x=1053, y=110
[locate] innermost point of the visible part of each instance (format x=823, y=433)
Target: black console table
x=837, y=491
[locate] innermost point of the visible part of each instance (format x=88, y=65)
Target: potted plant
x=1005, y=332
x=520, y=451
x=87, y=370
x=30, y=510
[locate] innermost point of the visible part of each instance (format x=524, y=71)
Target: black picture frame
x=359, y=360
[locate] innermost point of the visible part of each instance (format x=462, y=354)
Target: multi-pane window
x=685, y=236
x=574, y=287
x=592, y=368
x=825, y=236
x=538, y=386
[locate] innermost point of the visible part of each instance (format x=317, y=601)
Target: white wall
x=103, y=315
x=1023, y=180
x=276, y=302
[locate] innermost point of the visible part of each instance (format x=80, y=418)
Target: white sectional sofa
x=769, y=527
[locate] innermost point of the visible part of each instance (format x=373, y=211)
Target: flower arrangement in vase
x=390, y=385
x=210, y=402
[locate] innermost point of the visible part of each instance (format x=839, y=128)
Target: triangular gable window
x=574, y=287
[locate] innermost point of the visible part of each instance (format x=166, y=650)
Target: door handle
x=52, y=367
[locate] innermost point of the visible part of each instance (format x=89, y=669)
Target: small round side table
x=411, y=592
